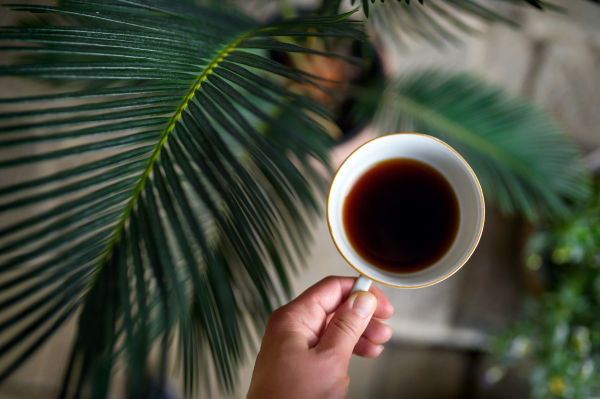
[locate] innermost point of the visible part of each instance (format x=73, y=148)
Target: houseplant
x=558, y=333
x=181, y=199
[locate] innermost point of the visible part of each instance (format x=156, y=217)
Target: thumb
x=348, y=324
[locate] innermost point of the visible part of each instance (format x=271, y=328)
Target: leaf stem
x=164, y=137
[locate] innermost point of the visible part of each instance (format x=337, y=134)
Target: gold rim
x=478, y=236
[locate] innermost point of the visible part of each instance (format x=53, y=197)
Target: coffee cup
x=441, y=157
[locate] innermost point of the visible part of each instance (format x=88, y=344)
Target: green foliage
x=174, y=198
x=439, y=22
x=523, y=160
x=446, y=9
x=560, y=331
x=436, y=22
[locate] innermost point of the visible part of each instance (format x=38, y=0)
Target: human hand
x=308, y=343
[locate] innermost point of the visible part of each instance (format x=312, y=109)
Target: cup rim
x=474, y=245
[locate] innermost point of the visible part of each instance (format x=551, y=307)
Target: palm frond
x=523, y=159
x=176, y=188
x=440, y=22
x=331, y=6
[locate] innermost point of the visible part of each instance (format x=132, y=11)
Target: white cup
x=445, y=160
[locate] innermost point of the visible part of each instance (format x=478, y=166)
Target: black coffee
x=401, y=216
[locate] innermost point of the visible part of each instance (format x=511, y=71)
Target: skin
x=308, y=343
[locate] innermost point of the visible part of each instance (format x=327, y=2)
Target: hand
x=308, y=343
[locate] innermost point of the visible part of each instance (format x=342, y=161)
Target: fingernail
x=364, y=303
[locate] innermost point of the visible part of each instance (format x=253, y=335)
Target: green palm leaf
x=523, y=159
x=439, y=22
x=473, y=7
x=178, y=190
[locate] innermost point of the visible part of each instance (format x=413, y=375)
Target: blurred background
x=517, y=321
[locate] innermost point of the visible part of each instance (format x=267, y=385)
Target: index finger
x=332, y=291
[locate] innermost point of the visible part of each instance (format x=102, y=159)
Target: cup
x=444, y=159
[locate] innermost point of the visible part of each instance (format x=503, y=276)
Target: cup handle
x=362, y=284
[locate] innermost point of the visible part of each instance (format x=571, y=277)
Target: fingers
x=369, y=344
x=347, y=325
x=378, y=332
x=311, y=312
x=366, y=348
x=329, y=293
x=385, y=310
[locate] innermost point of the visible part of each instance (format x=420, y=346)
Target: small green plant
x=560, y=331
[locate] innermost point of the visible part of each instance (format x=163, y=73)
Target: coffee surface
x=401, y=216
